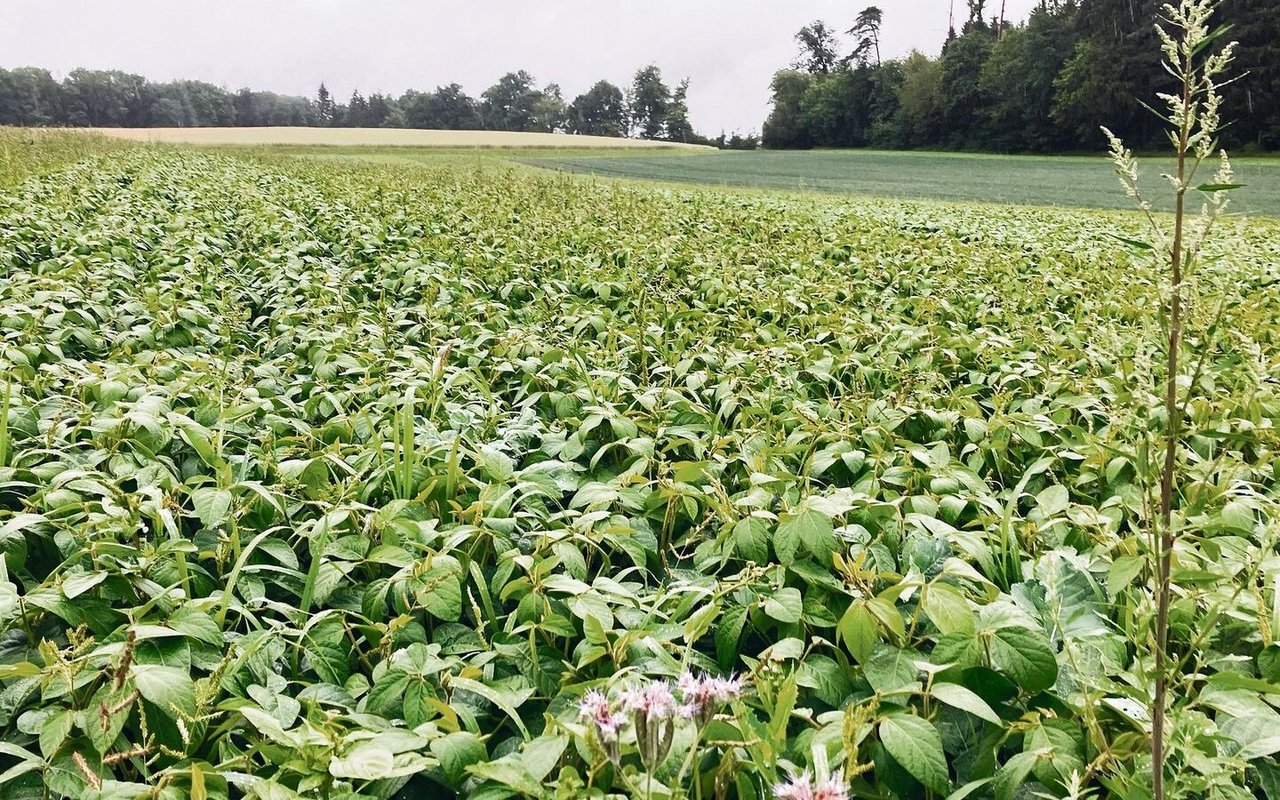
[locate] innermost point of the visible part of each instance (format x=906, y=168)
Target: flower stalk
x=1193, y=114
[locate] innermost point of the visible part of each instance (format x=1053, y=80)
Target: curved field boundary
x=1056, y=181
x=384, y=137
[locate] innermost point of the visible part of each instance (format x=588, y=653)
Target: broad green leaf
x=1024, y=655
x=917, y=746
x=212, y=505
x=541, y=755
x=965, y=699
x=388, y=692
x=594, y=494
x=79, y=583
x=751, y=540
x=968, y=789
x=828, y=679
x=1053, y=500
x=811, y=528
x=511, y=772
x=1269, y=663
x=57, y=726
x=169, y=689
x=457, y=751
x=784, y=605
x=948, y=609
x=786, y=542
x=367, y=761
x=728, y=633
x=507, y=702
x=1013, y=774
x=891, y=670
x=887, y=615
x=439, y=590
x=859, y=630
x=1256, y=735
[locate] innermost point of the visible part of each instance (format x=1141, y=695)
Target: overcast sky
x=728, y=48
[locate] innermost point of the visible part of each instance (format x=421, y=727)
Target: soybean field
x=343, y=478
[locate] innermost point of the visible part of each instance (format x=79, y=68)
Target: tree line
x=648, y=108
x=1044, y=85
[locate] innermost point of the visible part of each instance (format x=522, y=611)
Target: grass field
x=1032, y=180
x=31, y=151
x=381, y=137
x=406, y=476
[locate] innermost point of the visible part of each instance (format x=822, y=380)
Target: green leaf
x=1053, y=500
x=329, y=650
x=387, y=692
x=968, y=789
x=1269, y=663
x=917, y=746
x=495, y=463
x=964, y=699
x=594, y=494
x=167, y=688
x=785, y=605
x=948, y=609
x=542, y=754
x=419, y=701
x=786, y=542
x=858, y=629
x=81, y=582
x=828, y=680
x=1060, y=745
x=751, y=540
x=439, y=590
x=1134, y=243
x=57, y=726
x=891, y=670
x=265, y=789
x=457, y=751
x=1122, y=573
x=1210, y=188
x=813, y=529
x=1260, y=748
x=1256, y=735
x=728, y=634
x=1013, y=774
x=367, y=761
x=212, y=505
x=1024, y=655
x=509, y=772
x=506, y=701
x=110, y=711
x=888, y=617
x=1237, y=516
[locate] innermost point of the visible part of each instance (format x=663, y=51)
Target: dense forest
x=649, y=108
x=1044, y=85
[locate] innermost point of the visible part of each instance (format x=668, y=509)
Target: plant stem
x=1173, y=422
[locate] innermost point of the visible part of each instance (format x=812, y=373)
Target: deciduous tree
x=600, y=111
x=818, y=48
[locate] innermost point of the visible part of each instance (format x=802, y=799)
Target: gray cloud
x=728, y=48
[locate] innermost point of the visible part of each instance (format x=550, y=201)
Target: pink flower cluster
x=803, y=787
x=654, y=711
x=595, y=707
x=651, y=701
x=709, y=691
x=700, y=699
x=703, y=697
